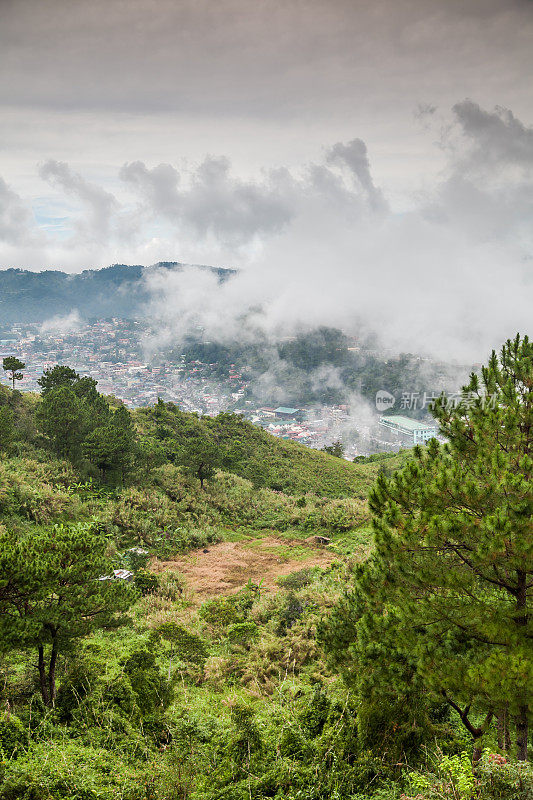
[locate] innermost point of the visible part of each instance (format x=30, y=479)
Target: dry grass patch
x=228, y=566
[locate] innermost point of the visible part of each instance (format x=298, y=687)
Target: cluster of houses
x=110, y=351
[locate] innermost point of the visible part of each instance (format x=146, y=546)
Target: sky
x=359, y=162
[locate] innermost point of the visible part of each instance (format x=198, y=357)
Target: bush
x=57, y=770
x=172, y=585
x=188, y=646
x=219, y=612
x=13, y=735
x=501, y=779
x=243, y=633
x=496, y=778
x=146, y=582
x=297, y=580
x=292, y=611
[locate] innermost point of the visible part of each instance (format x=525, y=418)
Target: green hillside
x=192, y=609
x=254, y=454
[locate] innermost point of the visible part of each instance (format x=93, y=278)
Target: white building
x=411, y=431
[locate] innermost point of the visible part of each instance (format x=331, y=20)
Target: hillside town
x=111, y=351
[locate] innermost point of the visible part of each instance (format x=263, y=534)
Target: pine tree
x=57, y=377
x=51, y=595
x=199, y=453
x=335, y=449
x=453, y=558
x=110, y=446
x=15, y=366
x=63, y=418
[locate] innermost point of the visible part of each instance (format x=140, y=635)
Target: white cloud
x=321, y=244
x=62, y=324
x=17, y=225
x=101, y=207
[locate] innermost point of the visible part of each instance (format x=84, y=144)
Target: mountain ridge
x=115, y=291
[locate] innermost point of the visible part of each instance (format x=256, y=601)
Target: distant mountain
x=116, y=291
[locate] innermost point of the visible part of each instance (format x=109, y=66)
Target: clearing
x=227, y=566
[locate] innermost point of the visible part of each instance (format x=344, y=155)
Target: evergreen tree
x=51, y=595
x=454, y=551
x=57, y=377
x=110, y=446
x=199, y=453
x=14, y=366
x=60, y=376
x=62, y=417
x=335, y=449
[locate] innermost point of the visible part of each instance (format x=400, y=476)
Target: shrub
x=315, y=712
x=146, y=582
x=297, y=580
x=57, y=770
x=292, y=610
x=13, y=735
x=244, y=599
x=188, y=646
x=219, y=612
x=501, y=779
x=172, y=585
x=150, y=688
x=243, y=633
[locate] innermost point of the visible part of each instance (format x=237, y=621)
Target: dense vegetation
x=393, y=662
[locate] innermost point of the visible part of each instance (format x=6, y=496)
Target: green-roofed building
x=409, y=430
x=284, y=412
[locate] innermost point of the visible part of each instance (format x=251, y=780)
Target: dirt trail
x=227, y=566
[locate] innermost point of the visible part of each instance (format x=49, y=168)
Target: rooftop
x=407, y=422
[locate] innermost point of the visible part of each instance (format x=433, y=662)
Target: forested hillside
x=116, y=291
x=190, y=608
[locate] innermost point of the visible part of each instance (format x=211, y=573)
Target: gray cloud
x=453, y=275
x=430, y=246
x=213, y=202
x=354, y=156
x=200, y=56
x=318, y=245
x=497, y=137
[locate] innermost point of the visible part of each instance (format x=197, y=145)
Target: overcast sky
x=290, y=138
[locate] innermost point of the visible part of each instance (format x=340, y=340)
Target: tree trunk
x=500, y=727
x=521, y=733
x=522, y=717
x=52, y=672
x=507, y=733
x=42, y=677
x=504, y=739
x=476, y=732
x=477, y=752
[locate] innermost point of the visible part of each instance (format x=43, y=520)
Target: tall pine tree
x=453, y=557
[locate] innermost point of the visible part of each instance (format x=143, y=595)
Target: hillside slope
x=256, y=455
